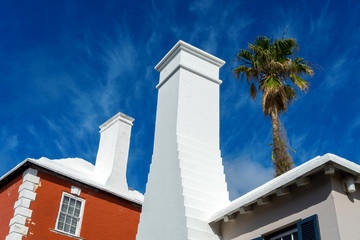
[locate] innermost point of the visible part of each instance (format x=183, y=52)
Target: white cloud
x=245, y=174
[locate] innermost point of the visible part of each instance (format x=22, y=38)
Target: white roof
x=285, y=179
x=80, y=170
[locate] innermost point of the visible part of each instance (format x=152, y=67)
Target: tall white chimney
x=186, y=182
x=112, y=156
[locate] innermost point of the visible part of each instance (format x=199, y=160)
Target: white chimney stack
x=112, y=156
x=186, y=182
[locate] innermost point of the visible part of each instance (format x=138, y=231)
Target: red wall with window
x=105, y=216
x=8, y=196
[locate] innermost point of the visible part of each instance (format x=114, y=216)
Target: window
x=308, y=228
x=289, y=233
x=305, y=229
x=70, y=214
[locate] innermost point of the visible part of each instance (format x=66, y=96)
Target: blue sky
x=67, y=66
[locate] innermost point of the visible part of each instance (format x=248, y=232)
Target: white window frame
x=78, y=226
x=284, y=234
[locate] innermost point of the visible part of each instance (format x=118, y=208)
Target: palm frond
x=253, y=91
x=240, y=69
x=302, y=67
x=263, y=42
x=299, y=82
x=245, y=55
x=271, y=83
x=285, y=47
x=290, y=93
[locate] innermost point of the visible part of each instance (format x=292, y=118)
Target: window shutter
x=308, y=228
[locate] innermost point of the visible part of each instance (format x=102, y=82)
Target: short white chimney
x=112, y=156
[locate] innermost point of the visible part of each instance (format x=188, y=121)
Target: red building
x=71, y=198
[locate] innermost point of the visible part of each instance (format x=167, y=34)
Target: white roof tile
x=79, y=170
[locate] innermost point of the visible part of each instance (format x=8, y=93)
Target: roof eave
x=34, y=162
x=283, y=180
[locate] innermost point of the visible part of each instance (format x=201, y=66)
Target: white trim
x=75, y=190
x=22, y=202
x=14, y=236
x=19, y=228
x=181, y=45
x=27, y=194
x=22, y=209
x=182, y=66
x=118, y=117
x=18, y=219
x=78, y=226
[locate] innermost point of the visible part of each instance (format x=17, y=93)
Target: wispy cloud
x=201, y=6
x=322, y=21
x=84, y=96
x=244, y=174
x=9, y=143
x=337, y=73
x=246, y=153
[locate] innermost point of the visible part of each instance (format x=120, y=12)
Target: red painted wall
x=8, y=196
x=105, y=216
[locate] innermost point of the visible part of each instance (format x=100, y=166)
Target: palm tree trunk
x=281, y=157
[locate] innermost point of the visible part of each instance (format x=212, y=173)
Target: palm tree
x=272, y=69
